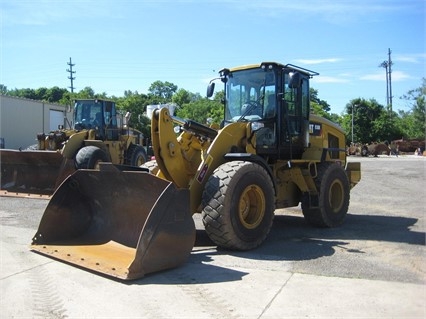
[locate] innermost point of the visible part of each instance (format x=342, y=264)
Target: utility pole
x=71, y=72
x=387, y=64
x=384, y=64
x=353, y=106
x=390, y=79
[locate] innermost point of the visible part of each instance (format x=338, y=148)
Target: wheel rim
x=96, y=166
x=251, y=208
x=335, y=197
x=140, y=160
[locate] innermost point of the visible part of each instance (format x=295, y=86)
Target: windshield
x=250, y=95
x=87, y=114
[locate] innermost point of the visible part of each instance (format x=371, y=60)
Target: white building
x=22, y=119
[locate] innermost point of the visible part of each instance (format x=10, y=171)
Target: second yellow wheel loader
x=270, y=152
x=96, y=135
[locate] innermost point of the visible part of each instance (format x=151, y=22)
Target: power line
x=71, y=72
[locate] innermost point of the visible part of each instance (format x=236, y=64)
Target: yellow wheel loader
x=95, y=136
x=270, y=152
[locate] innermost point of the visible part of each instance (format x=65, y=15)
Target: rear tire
x=333, y=199
x=136, y=155
x=238, y=202
x=89, y=157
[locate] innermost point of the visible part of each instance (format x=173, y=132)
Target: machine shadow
x=290, y=239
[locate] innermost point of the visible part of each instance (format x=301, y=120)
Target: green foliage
x=321, y=107
x=52, y=95
x=3, y=89
x=201, y=110
x=162, y=90
x=413, y=122
x=371, y=122
x=313, y=94
x=182, y=97
x=135, y=103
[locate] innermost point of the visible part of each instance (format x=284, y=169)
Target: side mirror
x=210, y=89
x=295, y=80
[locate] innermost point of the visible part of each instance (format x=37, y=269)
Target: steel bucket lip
x=91, y=260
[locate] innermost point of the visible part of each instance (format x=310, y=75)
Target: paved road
x=372, y=267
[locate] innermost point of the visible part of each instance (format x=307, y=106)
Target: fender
x=74, y=143
x=252, y=158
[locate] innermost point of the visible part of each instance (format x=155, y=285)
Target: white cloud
x=333, y=7
x=45, y=12
x=377, y=76
x=334, y=12
x=329, y=79
x=318, y=61
x=381, y=76
x=410, y=58
x=399, y=76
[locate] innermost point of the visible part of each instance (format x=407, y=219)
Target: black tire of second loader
x=89, y=157
x=136, y=155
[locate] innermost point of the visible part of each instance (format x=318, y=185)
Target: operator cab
x=96, y=114
x=275, y=99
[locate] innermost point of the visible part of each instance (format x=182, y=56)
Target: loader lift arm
x=178, y=157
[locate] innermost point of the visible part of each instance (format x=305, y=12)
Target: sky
x=129, y=44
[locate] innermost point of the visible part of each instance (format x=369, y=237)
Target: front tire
x=331, y=208
x=89, y=157
x=238, y=202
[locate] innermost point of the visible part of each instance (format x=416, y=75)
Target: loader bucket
x=124, y=224
x=32, y=172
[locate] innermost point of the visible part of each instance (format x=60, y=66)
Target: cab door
x=294, y=116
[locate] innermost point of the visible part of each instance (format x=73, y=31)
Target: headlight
x=256, y=126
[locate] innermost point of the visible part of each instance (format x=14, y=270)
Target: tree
x=3, y=89
x=54, y=95
x=136, y=103
x=313, y=94
x=86, y=93
x=371, y=122
x=386, y=127
x=163, y=90
x=217, y=111
x=41, y=93
x=413, y=122
x=321, y=107
x=182, y=97
x=24, y=93
x=201, y=110
x=67, y=98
